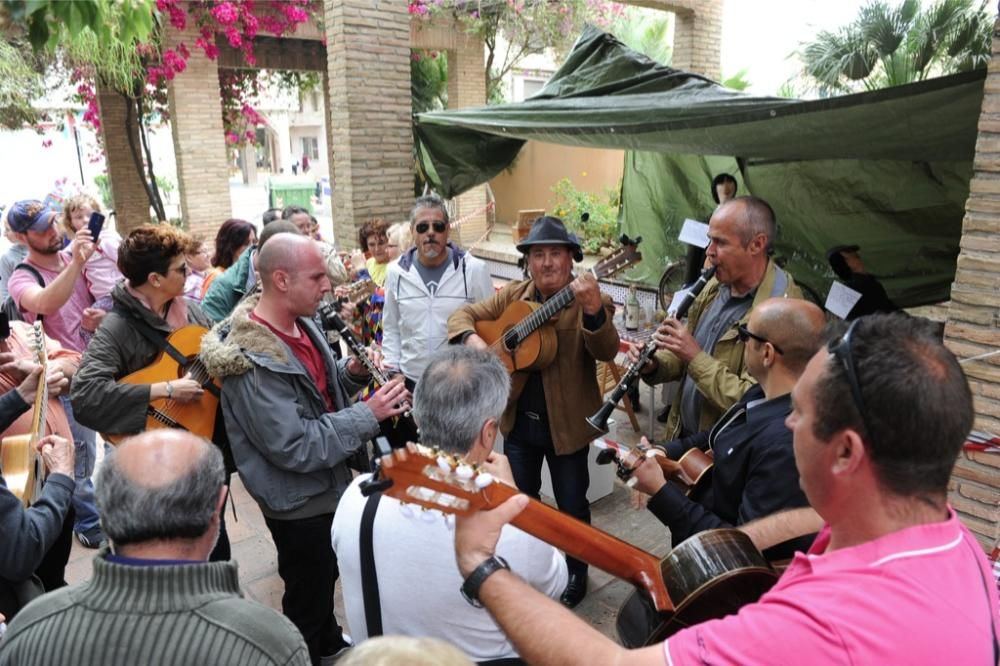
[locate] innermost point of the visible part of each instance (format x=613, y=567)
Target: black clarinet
x=599, y=420
x=332, y=321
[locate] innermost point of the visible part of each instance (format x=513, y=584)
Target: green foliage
x=20, y=85
x=103, y=183
x=889, y=45
x=737, y=81
x=601, y=228
x=646, y=31
x=429, y=80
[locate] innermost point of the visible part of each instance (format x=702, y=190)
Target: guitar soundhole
x=510, y=341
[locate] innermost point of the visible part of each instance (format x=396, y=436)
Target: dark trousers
x=525, y=450
x=308, y=567
x=52, y=569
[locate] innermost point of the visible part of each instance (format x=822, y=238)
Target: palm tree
x=646, y=31
x=890, y=45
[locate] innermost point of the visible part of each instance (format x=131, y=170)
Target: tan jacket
x=722, y=376
x=570, y=382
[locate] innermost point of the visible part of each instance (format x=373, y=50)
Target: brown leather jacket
x=570, y=382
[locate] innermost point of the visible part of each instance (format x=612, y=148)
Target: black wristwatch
x=470, y=588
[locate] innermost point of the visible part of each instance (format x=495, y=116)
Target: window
x=310, y=147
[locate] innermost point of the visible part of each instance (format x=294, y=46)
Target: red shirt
x=304, y=350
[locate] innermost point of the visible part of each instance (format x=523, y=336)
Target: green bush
x=601, y=228
x=104, y=190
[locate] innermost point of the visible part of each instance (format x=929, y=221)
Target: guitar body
x=533, y=353
x=195, y=417
x=20, y=464
x=695, y=473
x=710, y=575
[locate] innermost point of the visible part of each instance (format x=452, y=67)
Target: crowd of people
x=832, y=445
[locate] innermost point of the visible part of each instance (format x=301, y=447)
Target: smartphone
x=95, y=225
x=4, y=327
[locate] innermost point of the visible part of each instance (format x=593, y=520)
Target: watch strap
x=470, y=588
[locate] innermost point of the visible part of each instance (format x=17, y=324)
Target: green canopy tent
x=888, y=170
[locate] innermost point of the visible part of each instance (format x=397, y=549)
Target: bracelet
x=470, y=588
x=170, y=391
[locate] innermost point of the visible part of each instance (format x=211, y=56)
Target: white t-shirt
x=418, y=579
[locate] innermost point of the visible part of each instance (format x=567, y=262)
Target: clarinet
x=599, y=420
x=332, y=321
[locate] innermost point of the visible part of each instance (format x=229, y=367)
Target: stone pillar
x=199, y=142
x=973, y=326
x=128, y=192
x=248, y=164
x=697, y=36
x=369, y=113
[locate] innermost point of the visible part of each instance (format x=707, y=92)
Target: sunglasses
x=439, y=227
x=841, y=350
x=744, y=335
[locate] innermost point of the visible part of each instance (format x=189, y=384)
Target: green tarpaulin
x=888, y=169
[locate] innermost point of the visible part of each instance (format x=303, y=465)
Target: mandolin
x=523, y=338
x=196, y=417
x=692, y=472
x=23, y=469
x=709, y=575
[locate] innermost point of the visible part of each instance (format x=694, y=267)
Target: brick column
x=199, y=143
x=973, y=326
x=369, y=113
x=127, y=190
x=697, y=35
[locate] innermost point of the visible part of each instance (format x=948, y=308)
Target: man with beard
x=422, y=289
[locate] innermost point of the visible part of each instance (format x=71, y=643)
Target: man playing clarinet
x=545, y=413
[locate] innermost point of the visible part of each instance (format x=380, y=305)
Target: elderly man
x=153, y=598
x=879, y=417
x=544, y=416
x=753, y=472
x=458, y=404
x=285, y=402
x=707, y=355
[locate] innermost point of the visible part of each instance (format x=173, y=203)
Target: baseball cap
x=30, y=215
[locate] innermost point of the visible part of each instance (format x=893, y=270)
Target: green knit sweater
x=183, y=615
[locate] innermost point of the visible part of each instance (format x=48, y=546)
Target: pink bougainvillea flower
x=225, y=13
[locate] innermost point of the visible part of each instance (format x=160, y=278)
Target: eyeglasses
x=744, y=334
x=439, y=227
x=182, y=269
x=841, y=350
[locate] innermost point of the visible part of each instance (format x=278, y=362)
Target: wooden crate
x=525, y=218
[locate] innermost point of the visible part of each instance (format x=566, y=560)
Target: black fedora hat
x=548, y=230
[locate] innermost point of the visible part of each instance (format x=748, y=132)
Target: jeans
x=527, y=445
x=85, y=447
x=308, y=567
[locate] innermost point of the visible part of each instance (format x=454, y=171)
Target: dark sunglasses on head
x=439, y=227
x=744, y=334
x=841, y=350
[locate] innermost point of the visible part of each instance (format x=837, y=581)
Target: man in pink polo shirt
x=878, y=419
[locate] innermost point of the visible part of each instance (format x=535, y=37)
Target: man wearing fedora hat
x=544, y=415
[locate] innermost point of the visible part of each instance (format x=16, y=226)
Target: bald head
x=161, y=485
x=793, y=324
x=285, y=252
x=755, y=216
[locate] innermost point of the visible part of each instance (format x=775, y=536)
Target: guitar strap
x=369, y=577
x=161, y=342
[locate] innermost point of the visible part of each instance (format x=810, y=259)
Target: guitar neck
x=589, y=544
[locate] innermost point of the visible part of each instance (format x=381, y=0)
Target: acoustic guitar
x=710, y=575
x=23, y=469
x=197, y=417
x=523, y=338
x=692, y=472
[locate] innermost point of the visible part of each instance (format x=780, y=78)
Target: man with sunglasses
x=754, y=473
x=706, y=355
x=422, y=289
x=878, y=419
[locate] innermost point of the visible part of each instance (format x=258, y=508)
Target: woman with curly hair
x=233, y=237
x=374, y=241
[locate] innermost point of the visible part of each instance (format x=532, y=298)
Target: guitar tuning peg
x=464, y=472
x=449, y=521
x=406, y=510
x=428, y=516
x=483, y=480
x=443, y=464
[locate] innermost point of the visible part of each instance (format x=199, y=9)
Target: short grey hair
x=133, y=513
x=460, y=389
x=429, y=201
